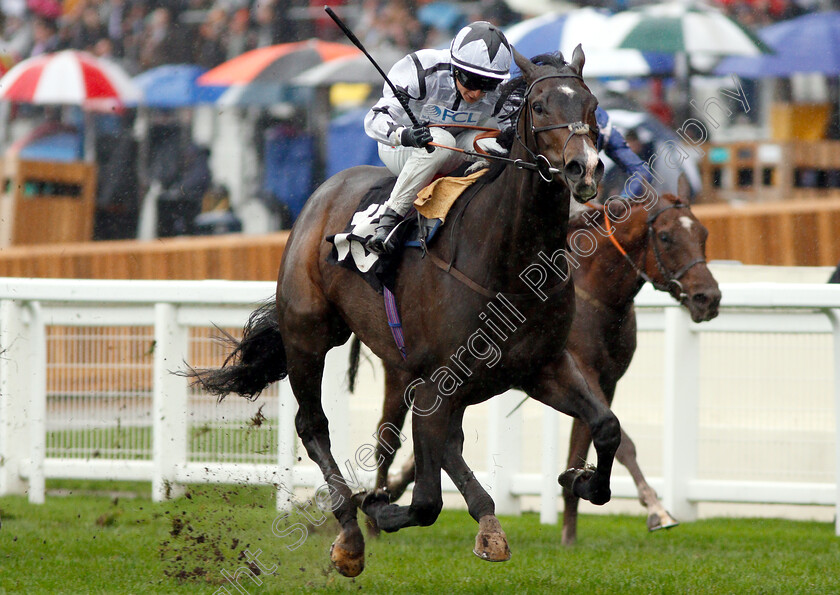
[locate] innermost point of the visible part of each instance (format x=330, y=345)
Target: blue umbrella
x=563, y=31
x=810, y=43
x=173, y=86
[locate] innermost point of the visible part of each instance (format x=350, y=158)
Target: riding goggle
x=475, y=82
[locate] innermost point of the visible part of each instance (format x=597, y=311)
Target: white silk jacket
x=426, y=79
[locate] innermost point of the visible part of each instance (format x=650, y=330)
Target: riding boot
x=382, y=241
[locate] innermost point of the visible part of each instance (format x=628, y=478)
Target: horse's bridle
x=670, y=279
x=544, y=167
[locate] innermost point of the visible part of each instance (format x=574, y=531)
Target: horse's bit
x=670, y=279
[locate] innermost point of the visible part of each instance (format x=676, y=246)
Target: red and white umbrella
x=69, y=77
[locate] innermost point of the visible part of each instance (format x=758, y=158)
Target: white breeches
x=416, y=168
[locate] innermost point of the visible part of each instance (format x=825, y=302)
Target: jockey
x=613, y=143
x=455, y=86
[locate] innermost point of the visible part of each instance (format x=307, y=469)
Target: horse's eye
x=664, y=237
x=538, y=108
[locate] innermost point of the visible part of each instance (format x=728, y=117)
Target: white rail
x=29, y=306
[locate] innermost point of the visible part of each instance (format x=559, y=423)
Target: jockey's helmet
x=481, y=56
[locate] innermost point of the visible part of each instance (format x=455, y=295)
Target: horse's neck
x=610, y=278
x=518, y=217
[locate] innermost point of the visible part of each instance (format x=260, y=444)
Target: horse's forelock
x=518, y=83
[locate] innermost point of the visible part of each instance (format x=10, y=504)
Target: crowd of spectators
x=142, y=34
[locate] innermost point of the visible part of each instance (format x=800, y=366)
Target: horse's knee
x=426, y=512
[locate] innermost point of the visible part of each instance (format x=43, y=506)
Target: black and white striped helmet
x=481, y=48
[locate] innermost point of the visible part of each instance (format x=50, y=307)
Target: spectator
x=209, y=49
x=44, y=36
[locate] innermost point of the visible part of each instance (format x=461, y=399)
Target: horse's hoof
x=656, y=522
x=491, y=542
x=575, y=479
x=348, y=561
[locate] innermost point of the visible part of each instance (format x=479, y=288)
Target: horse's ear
x=683, y=189
x=578, y=60
x=525, y=65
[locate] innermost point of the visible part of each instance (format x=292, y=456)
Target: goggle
x=475, y=82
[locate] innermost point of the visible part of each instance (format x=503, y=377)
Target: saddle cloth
x=416, y=230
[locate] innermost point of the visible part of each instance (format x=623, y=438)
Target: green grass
x=86, y=542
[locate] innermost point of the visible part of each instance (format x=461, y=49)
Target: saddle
x=417, y=230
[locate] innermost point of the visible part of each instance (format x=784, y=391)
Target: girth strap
x=393, y=315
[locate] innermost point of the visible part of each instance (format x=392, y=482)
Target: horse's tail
x=255, y=362
x=353, y=363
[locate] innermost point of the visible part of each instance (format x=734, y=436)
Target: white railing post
x=550, y=470
x=15, y=371
x=504, y=449
x=682, y=396
x=286, y=443
x=38, y=404
x=169, y=402
x=834, y=317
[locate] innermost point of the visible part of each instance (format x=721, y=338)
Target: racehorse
x=511, y=224
x=659, y=241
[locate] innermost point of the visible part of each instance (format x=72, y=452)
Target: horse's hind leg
x=658, y=517
x=305, y=372
x=564, y=387
x=491, y=542
x=430, y=427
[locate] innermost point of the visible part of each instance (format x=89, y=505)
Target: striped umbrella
x=679, y=28
x=260, y=76
x=564, y=30
x=69, y=77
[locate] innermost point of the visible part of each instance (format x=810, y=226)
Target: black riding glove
x=417, y=136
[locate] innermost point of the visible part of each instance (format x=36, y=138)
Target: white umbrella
x=563, y=31
x=678, y=28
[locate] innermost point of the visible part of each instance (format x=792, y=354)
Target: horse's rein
x=669, y=278
x=542, y=167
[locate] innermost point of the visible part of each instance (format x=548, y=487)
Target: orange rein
x=488, y=133
x=609, y=227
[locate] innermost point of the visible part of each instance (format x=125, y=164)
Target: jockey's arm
x=386, y=119
x=612, y=142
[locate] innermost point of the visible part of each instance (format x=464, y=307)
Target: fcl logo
x=442, y=115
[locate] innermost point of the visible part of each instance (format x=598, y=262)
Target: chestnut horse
x=512, y=223
x=660, y=241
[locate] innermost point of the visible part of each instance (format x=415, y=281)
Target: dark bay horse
x=511, y=225
x=659, y=240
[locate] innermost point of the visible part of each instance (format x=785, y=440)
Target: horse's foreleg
x=305, y=371
x=430, y=425
x=564, y=387
x=491, y=542
x=658, y=517
x=388, y=440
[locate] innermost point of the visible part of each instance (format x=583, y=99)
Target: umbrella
x=678, y=28
x=563, y=31
x=69, y=77
x=260, y=76
x=810, y=43
x=170, y=85
x=351, y=69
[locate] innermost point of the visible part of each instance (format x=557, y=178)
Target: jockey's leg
x=415, y=169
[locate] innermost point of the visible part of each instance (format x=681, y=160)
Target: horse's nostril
x=574, y=169
x=700, y=298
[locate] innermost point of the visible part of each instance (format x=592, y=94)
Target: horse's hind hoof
x=491, y=542
x=656, y=522
x=348, y=560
